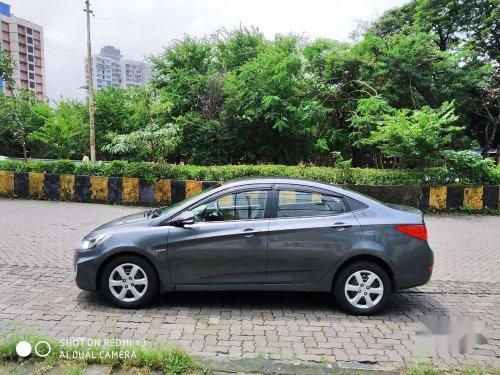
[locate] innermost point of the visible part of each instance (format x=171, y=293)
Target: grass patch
x=426, y=368
x=168, y=360
x=74, y=371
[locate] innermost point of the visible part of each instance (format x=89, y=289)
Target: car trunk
x=407, y=209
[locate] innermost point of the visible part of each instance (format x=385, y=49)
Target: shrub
x=462, y=169
x=90, y=169
x=467, y=167
x=63, y=167
x=115, y=168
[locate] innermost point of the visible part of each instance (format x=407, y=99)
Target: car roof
x=293, y=181
x=275, y=180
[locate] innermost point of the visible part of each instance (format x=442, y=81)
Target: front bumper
x=86, y=265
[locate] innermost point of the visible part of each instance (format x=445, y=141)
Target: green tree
x=154, y=142
x=64, y=134
x=7, y=66
x=415, y=137
x=154, y=138
x=204, y=141
x=267, y=109
x=181, y=73
x=335, y=81
x=237, y=47
x=112, y=113
x=20, y=115
x=473, y=22
x=394, y=20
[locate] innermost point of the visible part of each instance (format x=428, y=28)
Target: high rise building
x=135, y=73
x=24, y=41
x=109, y=69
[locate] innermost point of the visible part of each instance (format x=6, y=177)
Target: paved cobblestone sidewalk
x=37, y=292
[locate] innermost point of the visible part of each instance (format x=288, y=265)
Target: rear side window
x=292, y=203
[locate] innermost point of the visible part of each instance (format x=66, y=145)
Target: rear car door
x=227, y=244
x=310, y=231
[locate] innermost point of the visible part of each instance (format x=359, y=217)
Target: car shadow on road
x=408, y=305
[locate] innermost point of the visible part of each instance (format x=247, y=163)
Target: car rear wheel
x=362, y=288
x=129, y=282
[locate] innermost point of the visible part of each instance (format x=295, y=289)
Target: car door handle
x=249, y=232
x=340, y=226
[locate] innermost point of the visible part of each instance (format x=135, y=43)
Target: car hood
x=134, y=220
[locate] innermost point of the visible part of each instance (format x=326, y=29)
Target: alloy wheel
x=364, y=289
x=128, y=282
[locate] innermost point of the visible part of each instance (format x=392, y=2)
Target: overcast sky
x=143, y=27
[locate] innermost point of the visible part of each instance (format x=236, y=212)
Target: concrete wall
x=135, y=191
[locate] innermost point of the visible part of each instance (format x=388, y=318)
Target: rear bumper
x=419, y=275
x=415, y=270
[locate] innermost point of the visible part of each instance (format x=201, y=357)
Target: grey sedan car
x=264, y=234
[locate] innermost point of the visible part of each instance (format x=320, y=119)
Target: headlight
x=94, y=241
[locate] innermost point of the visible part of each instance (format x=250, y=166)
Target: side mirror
x=184, y=218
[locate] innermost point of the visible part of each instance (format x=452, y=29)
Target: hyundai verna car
x=261, y=234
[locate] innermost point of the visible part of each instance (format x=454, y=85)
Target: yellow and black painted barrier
x=136, y=191
x=119, y=190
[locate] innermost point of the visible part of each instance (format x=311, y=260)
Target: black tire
x=348, y=273
x=146, y=270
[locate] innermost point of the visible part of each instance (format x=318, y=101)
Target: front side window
x=292, y=203
x=244, y=205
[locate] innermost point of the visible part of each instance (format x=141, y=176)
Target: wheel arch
x=365, y=258
x=125, y=253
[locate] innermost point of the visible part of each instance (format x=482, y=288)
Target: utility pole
x=90, y=83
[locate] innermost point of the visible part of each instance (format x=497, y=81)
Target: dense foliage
x=420, y=80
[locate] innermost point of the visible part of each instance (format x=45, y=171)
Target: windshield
x=166, y=209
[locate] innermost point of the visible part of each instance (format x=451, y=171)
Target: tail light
x=417, y=231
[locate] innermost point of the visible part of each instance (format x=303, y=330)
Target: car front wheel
x=362, y=288
x=129, y=282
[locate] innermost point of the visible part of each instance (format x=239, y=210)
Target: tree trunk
x=497, y=156
x=381, y=159
x=490, y=138
x=25, y=150
x=375, y=160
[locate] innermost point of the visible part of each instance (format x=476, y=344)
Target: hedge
x=353, y=176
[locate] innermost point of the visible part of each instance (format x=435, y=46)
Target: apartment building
x=110, y=70
x=24, y=41
x=135, y=73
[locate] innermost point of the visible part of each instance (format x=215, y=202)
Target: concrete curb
x=220, y=365
x=137, y=191
x=216, y=366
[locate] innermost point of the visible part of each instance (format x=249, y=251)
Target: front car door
x=227, y=244
x=309, y=232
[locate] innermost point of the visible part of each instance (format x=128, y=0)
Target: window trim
x=304, y=189
x=235, y=190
